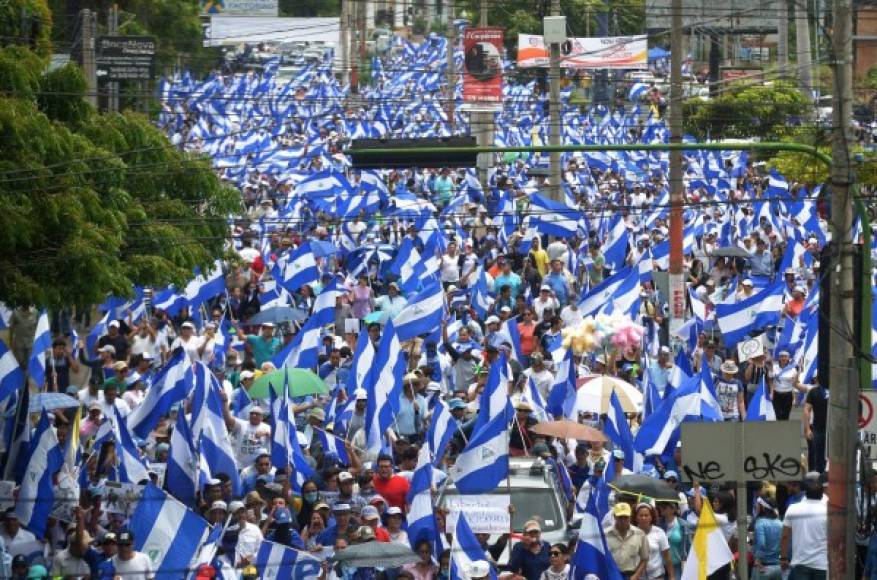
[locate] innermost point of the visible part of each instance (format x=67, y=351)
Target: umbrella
x=566, y=429
x=376, y=554
x=301, y=382
x=277, y=314
x=658, y=53
x=644, y=486
x=51, y=401
x=322, y=249
x=594, y=392
x=730, y=252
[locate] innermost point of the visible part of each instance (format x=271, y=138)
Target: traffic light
x=426, y=152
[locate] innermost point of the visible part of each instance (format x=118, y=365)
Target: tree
x=27, y=23
x=309, y=8
x=94, y=204
x=802, y=168
x=747, y=111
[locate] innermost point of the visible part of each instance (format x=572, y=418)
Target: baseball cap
x=126, y=539
x=360, y=394
x=236, y=505
x=257, y=409
x=247, y=375
x=344, y=476
x=456, y=403
x=107, y=348
x=341, y=507
x=621, y=510
x=393, y=511
x=532, y=525
x=492, y=320
x=370, y=512
x=188, y=325
x=282, y=516
x=267, y=325
x=219, y=505
x=113, y=324
x=365, y=533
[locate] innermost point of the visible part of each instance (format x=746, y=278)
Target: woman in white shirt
x=660, y=565
x=784, y=383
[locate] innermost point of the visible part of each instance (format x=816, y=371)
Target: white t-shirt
x=657, y=544
x=69, y=566
x=140, y=344
x=190, y=346
x=570, y=316
x=248, y=439
x=137, y=568
x=450, y=268
x=808, y=520
x=544, y=380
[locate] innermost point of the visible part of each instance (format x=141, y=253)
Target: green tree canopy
x=746, y=111
x=92, y=204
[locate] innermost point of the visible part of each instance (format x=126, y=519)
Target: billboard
x=239, y=7
x=741, y=16
x=125, y=58
x=482, y=65
x=611, y=52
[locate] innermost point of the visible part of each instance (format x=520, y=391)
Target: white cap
x=257, y=409
x=107, y=348
x=114, y=324
x=345, y=476
x=394, y=511
x=492, y=320
x=188, y=325
x=360, y=394
x=219, y=505
x=267, y=325
x=747, y=282
x=247, y=375
x=236, y=505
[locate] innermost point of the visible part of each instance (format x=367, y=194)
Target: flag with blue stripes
x=278, y=562
x=484, y=463
x=36, y=496
x=42, y=342
x=172, y=384
x=11, y=375
x=465, y=550
x=423, y=314
x=592, y=556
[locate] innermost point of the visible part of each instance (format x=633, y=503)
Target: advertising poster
x=482, y=65
x=613, y=52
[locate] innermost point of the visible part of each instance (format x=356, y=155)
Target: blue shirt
x=512, y=280
x=408, y=422
x=528, y=564
x=559, y=285
x=768, y=533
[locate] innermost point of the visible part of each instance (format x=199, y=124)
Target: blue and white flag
x=209, y=430
x=172, y=384
x=763, y=309
x=361, y=367
x=552, y=218
x=592, y=556
x=532, y=395
x=494, y=399
x=480, y=298
x=129, y=465
x=182, y=476
x=422, y=315
x=422, y=524
x=42, y=342
x=11, y=375
x=440, y=431
x=303, y=351
x=685, y=404
x=618, y=430
x=167, y=531
x=36, y=496
x=277, y=562
x=484, y=463
x=333, y=444
x=465, y=550
x=604, y=292
x=204, y=287
x=760, y=405
x=298, y=269
x=384, y=387
x=282, y=429
x=509, y=331
x=562, y=400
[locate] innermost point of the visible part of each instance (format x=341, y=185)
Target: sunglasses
x=554, y=553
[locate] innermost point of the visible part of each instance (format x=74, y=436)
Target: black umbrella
x=730, y=252
x=644, y=486
x=376, y=554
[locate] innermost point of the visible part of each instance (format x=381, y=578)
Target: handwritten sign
x=488, y=514
x=747, y=451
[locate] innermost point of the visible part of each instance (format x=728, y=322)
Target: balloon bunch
x=605, y=331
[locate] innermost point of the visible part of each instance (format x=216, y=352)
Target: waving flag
x=604, y=292
x=172, y=384
x=563, y=396
x=494, y=400
x=209, y=430
x=282, y=429
x=204, y=287
x=298, y=269
x=440, y=431
x=11, y=375
x=480, y=297
x=166, y=531
x=37, y=493
x=709, y=549
x=763, y=309
x=422, y=315
x=422, y=524
x=384, y=387
x=532, y=395
x=618, y=430
x=333, y=444
x=277, y=562
x=686, y=404
x=303, y=351
x=592, y=555
x=42, y=342
x=129, y=465
x=182, y=477
x=615, y=248
x=552, y=218
x=760, y=406
x=466, y=550
x=484, y=463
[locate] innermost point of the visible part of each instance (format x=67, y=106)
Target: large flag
x=37, y=494
x=494, y=399
x=303, y=351
x=167, y=531
x=618, y=430
x=763, y=309
x=209, y=430
x=422, y=315
x=298, y=269
x=42, y=342
x=277, y=562
x=172, y=384
x=440, y=431
x=11, y=375
x=709, y=549
x=465, y=550
x=204, y=287
x=182, y=477
x=384, y=388
x=484, y=463
x=592, y=555
x=422, y=524
x=688, y=403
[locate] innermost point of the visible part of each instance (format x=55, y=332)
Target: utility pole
x=802, y=47
x=88, y=66
x=677, y=279
x=452, y=74
x=483, y=120
x=555, y=192
x=843, y=376
x=782, y=38
x=113, y=86
x=353, y=18
x=345, y=42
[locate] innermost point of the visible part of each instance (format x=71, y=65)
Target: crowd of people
x=511, y=282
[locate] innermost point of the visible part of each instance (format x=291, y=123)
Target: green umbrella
x=301, y=382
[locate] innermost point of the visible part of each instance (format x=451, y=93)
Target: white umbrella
x=594, y=392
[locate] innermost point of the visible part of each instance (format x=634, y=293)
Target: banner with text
x=487, y=514
x=482, y=65
x=612, y=52
x=239, y=7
